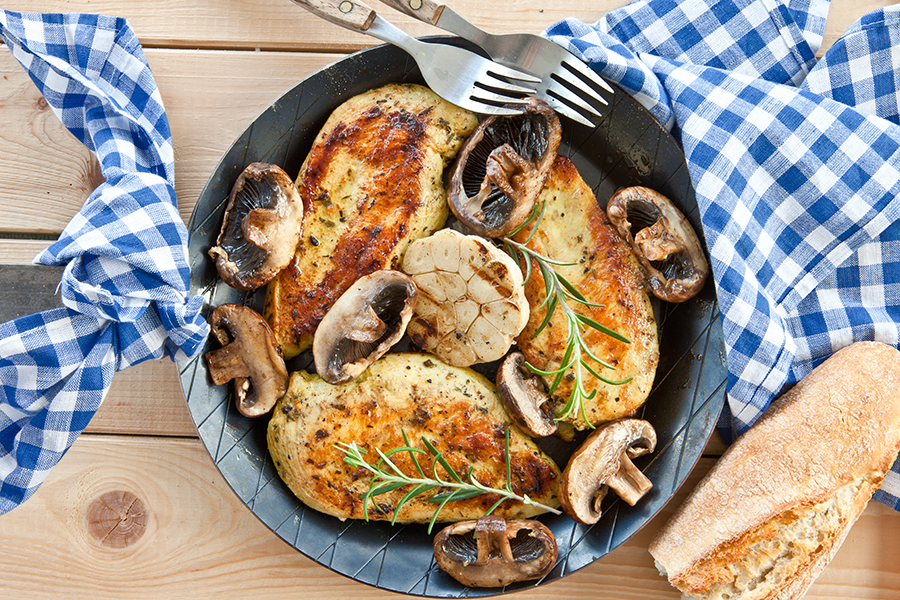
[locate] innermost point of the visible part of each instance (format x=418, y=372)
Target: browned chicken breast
x=455, y=408
x=371, y=184
x=575, y=229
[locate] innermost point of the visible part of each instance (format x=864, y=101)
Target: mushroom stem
x=227, y=363
x=492, y=541
x=628, y=482
x=505, y=551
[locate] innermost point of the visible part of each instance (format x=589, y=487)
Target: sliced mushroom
x=248, y=355
x=363, y=324
x=502, y=168
x=524, y=397
x=603, y=461
x=261, y=227
x=501, y=551
x=663, y=240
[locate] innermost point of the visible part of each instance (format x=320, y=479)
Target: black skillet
x=628, y=147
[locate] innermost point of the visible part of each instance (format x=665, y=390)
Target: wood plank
x=283, y=25
x=210, y=96
x=197, y=540
x=145, y=400
x=207, y=104
x=21, y=251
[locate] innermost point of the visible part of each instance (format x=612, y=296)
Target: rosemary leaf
x=388, y=477
x=412, y=454
x=439, y=458
x=603, y=329
x=456, y=495
x=419, y=489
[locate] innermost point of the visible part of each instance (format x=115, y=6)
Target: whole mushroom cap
x=502, y=168
x=249, y=356
x=261, y=227
x=663, y=240
x=363, y=324
x=501, y=551
x=602, y=462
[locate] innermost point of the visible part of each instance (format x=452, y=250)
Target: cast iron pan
x=628, y=147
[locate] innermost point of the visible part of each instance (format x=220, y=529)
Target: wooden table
x=183, y=533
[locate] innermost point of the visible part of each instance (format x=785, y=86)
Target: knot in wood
x=117, y=519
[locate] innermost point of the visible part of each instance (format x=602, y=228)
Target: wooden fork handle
x=352, y=14
x=424, y=10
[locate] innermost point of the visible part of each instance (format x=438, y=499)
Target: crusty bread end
x=776, y=507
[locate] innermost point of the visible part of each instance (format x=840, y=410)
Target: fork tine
x=490, y=109
x=565, y=95
x=502, y=74
x=491, y=97
x=567, y=111
x=580, y=68
x=489, y=79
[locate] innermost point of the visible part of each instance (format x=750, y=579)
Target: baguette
x=773, y=511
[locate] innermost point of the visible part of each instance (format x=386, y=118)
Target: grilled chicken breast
x=575, y=229
x=455, y=408
x=371, y=184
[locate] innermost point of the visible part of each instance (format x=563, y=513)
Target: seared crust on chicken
x=371, y=184
x=455, y=408
x=575, y=229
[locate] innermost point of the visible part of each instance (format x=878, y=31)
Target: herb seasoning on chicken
x=455, y=409
x=575, y=229
x=371, y=184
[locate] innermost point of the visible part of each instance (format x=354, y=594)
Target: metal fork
x=462, y=77
x=567, y=84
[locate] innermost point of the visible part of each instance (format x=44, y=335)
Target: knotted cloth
x=125, y=283
x=795, y=164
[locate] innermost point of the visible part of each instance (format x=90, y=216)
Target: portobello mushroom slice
x=501, y=551
x=663, y=240
x=261, y=227
x=363, y=324
x=249, y=356
x=502, y=168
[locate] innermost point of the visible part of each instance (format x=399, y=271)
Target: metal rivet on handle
x=415, y=4
x=345, y=7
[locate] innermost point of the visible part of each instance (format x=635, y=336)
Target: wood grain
x=136, y=508
x=282, y=25
x=145, y=400
x=210, y=96
x=197, y=540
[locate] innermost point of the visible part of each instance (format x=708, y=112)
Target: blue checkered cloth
x=125, y=285
x=796, y=167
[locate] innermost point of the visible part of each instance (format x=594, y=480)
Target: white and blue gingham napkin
x=125, y=285
x=796, y=167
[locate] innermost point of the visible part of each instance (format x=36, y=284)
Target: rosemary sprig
x=559, y=292
x=387, y=477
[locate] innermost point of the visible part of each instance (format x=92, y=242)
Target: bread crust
x=838, y=428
